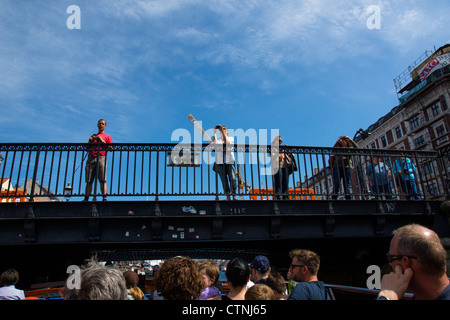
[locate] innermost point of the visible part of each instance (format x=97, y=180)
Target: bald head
x=423, y=243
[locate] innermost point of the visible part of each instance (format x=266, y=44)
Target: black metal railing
x=52, y=171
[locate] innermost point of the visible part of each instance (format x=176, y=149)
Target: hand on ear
x=395, y=284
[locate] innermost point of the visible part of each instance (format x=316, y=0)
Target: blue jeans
x=228, y=176
x=382, y=188
x=344, y=174
x=410, y=188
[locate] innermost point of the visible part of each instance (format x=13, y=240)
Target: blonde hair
x=136, y=293
x=260, y=292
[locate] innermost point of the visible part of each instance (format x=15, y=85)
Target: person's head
x=101, y=125
x=418, y=248
x=344, y=141
x=259, y=292
x=238, y=272
x=277, y=283
x=222, y=128
x=260, y=268
x=277, y=140
x=401, y=150
x=305, y=265
x=99, y=283
x=131, y=278
x=210, y=273
x=9, y=277
x=132, y=281
x=178, y=278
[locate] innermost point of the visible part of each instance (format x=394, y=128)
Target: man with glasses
x=419, y=262
x=304, y=268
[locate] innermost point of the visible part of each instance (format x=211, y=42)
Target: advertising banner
x=433, y=65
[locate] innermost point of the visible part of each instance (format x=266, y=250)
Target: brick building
x=422, y=119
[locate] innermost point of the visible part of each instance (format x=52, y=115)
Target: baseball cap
x=260, y=263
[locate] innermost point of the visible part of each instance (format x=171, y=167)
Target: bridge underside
x=347, y=234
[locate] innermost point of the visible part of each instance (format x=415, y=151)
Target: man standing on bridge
x=96, y=163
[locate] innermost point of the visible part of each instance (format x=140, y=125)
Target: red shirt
x=107, y=138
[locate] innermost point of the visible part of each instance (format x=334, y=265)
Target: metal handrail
x=42, y=172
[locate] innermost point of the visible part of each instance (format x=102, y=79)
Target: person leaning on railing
x=342, y=167
x=403, y=170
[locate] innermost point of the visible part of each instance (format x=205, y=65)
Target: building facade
x=422, y=119
x=421, y=122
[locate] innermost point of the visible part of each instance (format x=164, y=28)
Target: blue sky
x=312, y=69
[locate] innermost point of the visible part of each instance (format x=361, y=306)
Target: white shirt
x=11, y=293
x=229, y=155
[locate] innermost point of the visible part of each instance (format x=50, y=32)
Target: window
x=419, y=141
x=415, y=122
x=398, y=132
x=440, y=131
x=373, y=145
x=436, y=109
x=383, y=141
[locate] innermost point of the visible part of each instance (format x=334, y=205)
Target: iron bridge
x=166, y=199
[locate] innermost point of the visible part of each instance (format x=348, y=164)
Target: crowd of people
x=416, y=255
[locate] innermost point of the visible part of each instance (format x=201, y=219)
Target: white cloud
x=72, y=109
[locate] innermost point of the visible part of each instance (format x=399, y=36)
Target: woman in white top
x=224, y=165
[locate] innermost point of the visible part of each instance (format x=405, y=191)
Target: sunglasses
x=292, y=266
x=392, y=257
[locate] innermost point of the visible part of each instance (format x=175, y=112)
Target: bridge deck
x=167, y=221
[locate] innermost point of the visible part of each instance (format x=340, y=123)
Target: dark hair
x=9, y=277
x=238, y=272
x=276, y=282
